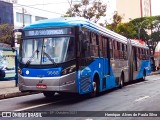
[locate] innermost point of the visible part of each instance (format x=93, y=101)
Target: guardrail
x=8, y=65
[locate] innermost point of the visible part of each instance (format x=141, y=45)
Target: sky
x=59, y=7
x=155, y=7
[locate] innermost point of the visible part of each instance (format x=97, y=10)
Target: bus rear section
x=140, y=63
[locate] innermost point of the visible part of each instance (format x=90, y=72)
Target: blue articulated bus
x=74, y=55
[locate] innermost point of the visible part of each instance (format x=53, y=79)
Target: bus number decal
x=53, y=72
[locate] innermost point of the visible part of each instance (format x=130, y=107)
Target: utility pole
x=23, y=17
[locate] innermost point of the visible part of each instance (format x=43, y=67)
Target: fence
x=8, y=65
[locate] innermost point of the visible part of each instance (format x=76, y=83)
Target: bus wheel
x=144, y=75
x=94, y=92
x=49, y=94
x=121, y=81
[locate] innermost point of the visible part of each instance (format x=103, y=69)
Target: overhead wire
x=30, y=6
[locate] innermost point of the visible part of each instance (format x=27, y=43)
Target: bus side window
x=117, y=50
x=111, y=48
x=121, y=51
x=145, y=54
x=124, y=51
x=94, y=45
x=85, y=43
x=105, y=47
x=141, y=53
x=100, y=45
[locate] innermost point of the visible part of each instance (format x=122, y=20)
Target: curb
x=155, y=73
x=16, y=94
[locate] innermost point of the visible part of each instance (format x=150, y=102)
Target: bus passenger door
x=135, y=63
x=84, y=61
x=106, y=62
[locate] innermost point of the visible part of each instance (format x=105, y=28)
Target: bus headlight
x=69, y=70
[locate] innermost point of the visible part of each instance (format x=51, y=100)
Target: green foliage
x=89, y=11
x=5, y=33
x=125, y=29
x=116, y=21
x=150, y=30
x=156, y=36
x=144, y=28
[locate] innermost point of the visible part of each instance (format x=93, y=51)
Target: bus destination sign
x=45, y=32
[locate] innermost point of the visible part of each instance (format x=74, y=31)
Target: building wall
x=133, y=9
x=6, y=12
x=30, y=16
x=145, y=8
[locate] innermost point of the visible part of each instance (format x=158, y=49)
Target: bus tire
x=144, y=75
x=121, y=81
x=49, y=94
x=95, y=86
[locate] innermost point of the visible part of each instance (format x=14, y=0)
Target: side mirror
x=15, y=33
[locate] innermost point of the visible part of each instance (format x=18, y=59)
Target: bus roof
x=58, y=22
x=74, y=21
x=138, y=44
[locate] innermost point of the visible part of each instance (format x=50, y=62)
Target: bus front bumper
x=64, y=83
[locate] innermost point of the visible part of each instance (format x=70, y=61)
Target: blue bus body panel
x=145, y=64
x=50, y=72
x=85, y=77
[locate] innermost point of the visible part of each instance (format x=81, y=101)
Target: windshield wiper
x=49, y=57
x=30, y=59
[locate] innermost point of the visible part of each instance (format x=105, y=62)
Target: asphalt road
x=141, y=96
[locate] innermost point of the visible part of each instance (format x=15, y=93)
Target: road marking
x=142, y=98
x=36, y=106
x=89, y=119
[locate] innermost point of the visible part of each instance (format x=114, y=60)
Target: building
x=13, y=12
x=6, y=12
x=25, y=15
x=131, y=9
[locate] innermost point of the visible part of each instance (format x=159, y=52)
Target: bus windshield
x=47, y=50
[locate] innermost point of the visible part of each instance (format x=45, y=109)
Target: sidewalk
x=8, y=89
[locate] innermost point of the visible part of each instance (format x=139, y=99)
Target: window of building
x=37, y=18
x=19, y=18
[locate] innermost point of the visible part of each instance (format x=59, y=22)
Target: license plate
x=41, y=86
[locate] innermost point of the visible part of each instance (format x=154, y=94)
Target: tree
x=93, y=11
x=149, y=30
x=116, y=20
x=6, y=33
x=126, y=29
x=144, y=28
